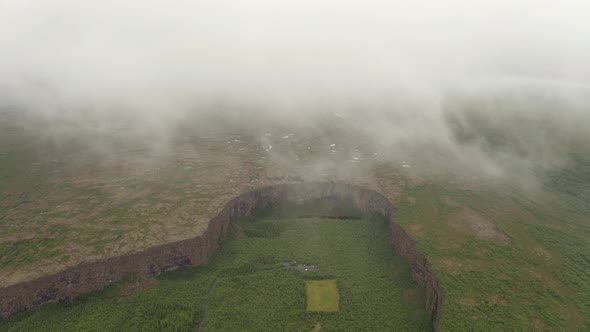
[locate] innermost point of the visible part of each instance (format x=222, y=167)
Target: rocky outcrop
x=421, y=272
x=88, y=277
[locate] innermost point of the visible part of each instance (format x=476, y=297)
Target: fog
x=388, y=67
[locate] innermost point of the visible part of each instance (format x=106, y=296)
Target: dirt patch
x=498, y=299
x=542, y=254
x=417, y=231
x=468, y=302
x=537, y=325
x=471, y=222
x=452, y=265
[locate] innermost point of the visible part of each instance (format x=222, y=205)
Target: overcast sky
x=285, y=55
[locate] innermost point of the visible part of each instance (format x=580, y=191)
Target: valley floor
x=255, y=290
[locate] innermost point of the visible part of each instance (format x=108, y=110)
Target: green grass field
x=255, y=291
x=322, y=295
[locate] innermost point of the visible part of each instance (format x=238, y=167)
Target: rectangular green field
x=322, y=295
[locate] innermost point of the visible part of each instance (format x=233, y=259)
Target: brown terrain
x=65, y=204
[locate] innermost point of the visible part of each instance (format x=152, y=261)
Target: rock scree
x=92, y=276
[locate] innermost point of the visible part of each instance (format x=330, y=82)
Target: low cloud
x=389, y=69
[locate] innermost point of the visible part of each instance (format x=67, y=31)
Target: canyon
x=92, y=276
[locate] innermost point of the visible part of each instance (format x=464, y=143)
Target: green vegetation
x=256, y=290
x=325, y=207
x=322, y=295
x=507, y=259
x=540, y=280
x=23, y=252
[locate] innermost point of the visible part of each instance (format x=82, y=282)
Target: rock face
x=88, y=277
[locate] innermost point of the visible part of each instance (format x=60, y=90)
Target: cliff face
x=92, y=276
